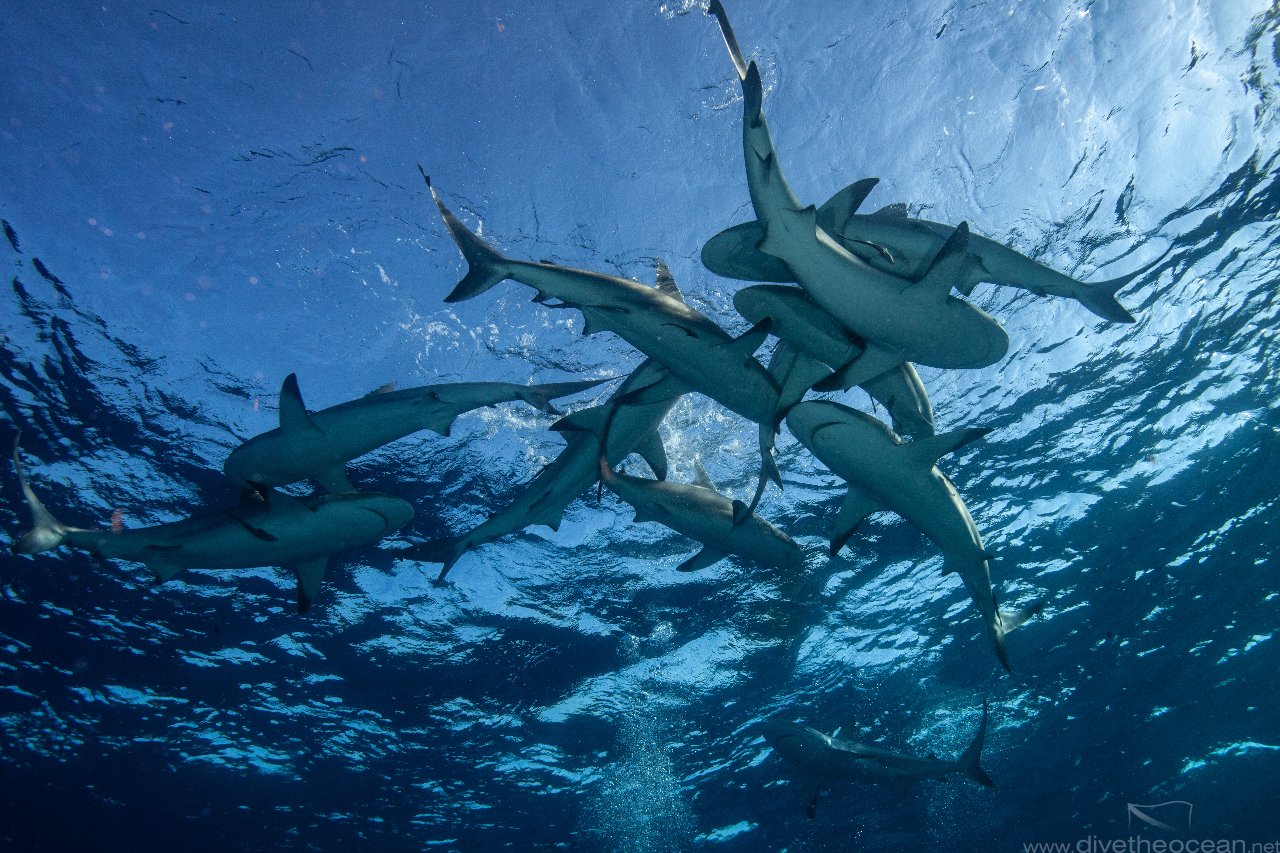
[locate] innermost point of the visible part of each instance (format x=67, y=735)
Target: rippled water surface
x=203, y=198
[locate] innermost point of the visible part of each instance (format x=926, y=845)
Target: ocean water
x=203, y=198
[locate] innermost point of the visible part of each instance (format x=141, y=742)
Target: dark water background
x=206, y=197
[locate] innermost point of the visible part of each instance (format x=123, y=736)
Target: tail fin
x=486, y=267
x=46, y=531
x=730, y=40
x=969, y=760
x=445, y=551
x=1100, y=296
x=1010, y=619
x=540, y=396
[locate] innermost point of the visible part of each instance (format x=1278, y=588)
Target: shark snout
x=392, y=511
x=775, y=731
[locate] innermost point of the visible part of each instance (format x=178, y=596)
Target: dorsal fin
x=382, y=389
x=665, y=283
x=700, y=477
x=897, y=210
x=293, y=413
x=835, y=212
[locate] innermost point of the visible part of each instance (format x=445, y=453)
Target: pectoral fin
x=654, y=454
x=310, y=574
x=334, y=480
x=708, y=556
x=930, y=450
x=876, y=360
x=836, y=211
x=855, y=509
x=164, y=568
x=733, y=254
x=952, y=266
x=749, y=341
x=787, y=228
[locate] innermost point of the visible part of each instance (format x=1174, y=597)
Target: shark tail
x=1100, y=298
x=46, y=531
x=540, y=396
x=485, y=265
x=969, y=760
x=446, y=551
x=730, y=40
x=1010, y=619
x=752, y=96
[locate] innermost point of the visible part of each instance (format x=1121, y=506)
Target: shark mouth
x=824, y=425
x=386, y=521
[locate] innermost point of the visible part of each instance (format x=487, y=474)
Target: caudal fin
x=485, y=266
x=1100, y=296
x=1010, y=619
x=969, y=760
x=730, y=40
x=445, y=551
x=540, y=396
x=46, y=531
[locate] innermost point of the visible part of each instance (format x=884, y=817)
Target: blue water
x=207, y=197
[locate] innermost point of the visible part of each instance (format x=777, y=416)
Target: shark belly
x=947, y=333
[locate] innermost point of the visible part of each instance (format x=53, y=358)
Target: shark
x=899, y=319
x=319, y=445
x=267, y=528
x=798, y=320
x=896, y=243
x=630, y=418
x=823, y=757
x=698, y=510
x=884, y=473
x=655, y=320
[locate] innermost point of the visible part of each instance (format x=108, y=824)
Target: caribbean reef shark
x=823, y=757
x=320, y=445
x=900, y=320
x=650, y=390
x=699, y=511
x=896, y=243
x=268, y=528
x=883, y=473
x=655, y=320
x=806, y=328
